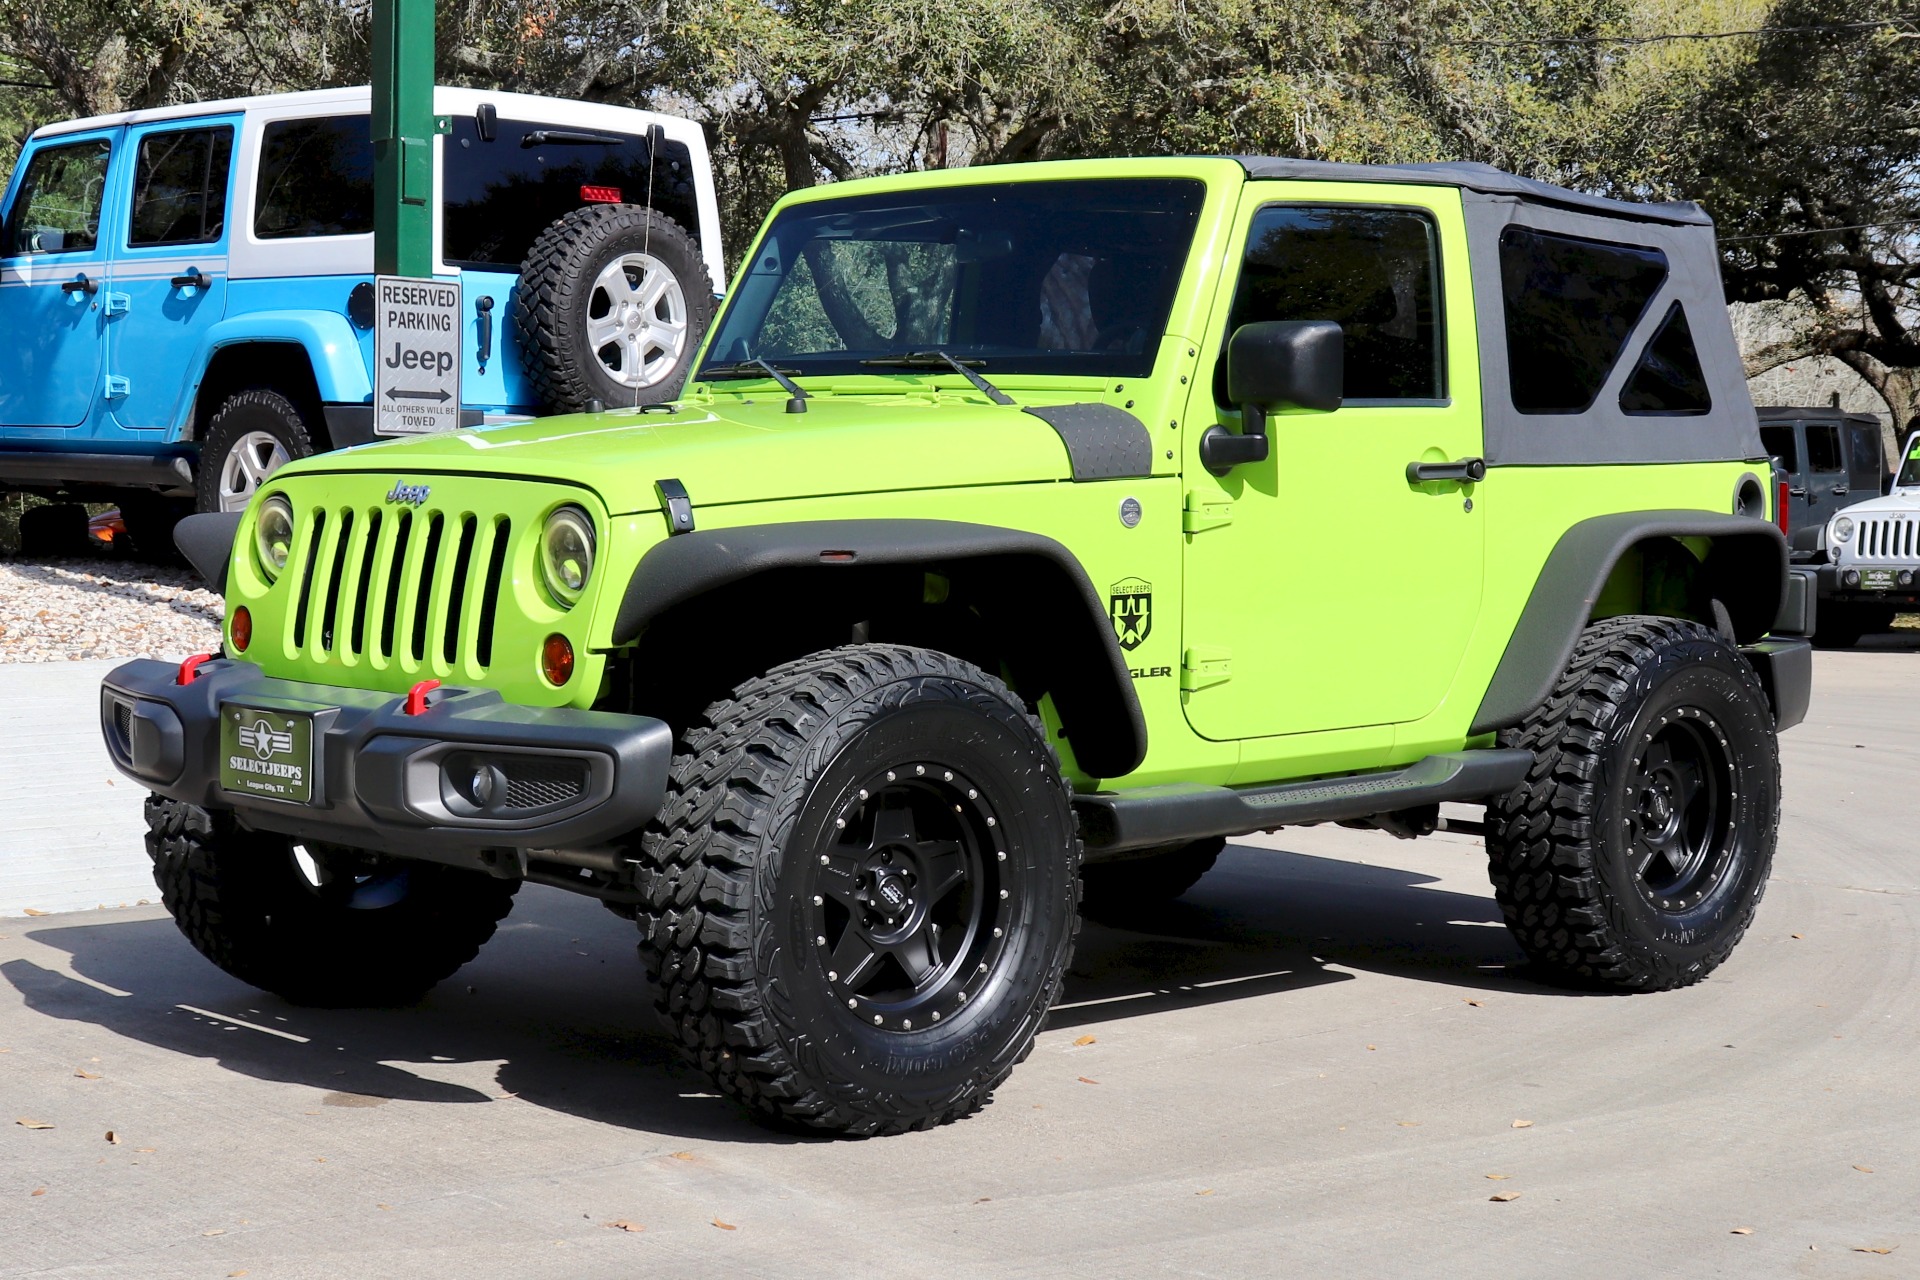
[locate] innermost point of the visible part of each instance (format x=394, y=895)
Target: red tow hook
x=191, y=668
x=417, y=697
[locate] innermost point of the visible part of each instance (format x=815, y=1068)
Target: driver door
x=53, y=274
x=1325, y=588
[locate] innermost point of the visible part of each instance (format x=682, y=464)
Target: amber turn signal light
x=241, y=629
x=556, y=659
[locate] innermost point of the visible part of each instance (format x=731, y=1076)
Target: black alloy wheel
x=1679, y=816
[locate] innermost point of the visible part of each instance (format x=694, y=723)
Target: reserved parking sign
x=416, y=355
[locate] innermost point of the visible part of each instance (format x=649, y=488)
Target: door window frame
x=136, y=139
x=101, y=244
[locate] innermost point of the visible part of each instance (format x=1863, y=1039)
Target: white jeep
x=1873, y=558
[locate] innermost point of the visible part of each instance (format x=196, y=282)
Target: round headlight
x=566, y=554
x=273, y=535
x=1842, y=528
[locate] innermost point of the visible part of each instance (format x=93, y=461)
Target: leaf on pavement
x=31, y=911
x=145, y=1151
x=1499, y=1177
x=1370, y=1049
x=1796, y=935
x=387, y=1207
x=1868, y=1248
x=1502, y=1197
x=621, y=1224
x=1522, y=1124
x=1478, y=1004
x=39, y=1191
x=1207, y=1192
x=85, y=1074
x=231, y=1274
x=1741, y=1231
x=1863, y=1168
x=1083, y=1041
x=25, y=1123
x=724, y=1226
x=217, y=1231
x=684, y=1155
x=1408, y=1124
x=1084, y=1080
x=113, y=1137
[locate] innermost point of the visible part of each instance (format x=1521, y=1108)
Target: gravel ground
x=65, y=610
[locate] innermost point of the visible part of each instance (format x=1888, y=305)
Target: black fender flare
x=1080, y=661
x=1746, y=570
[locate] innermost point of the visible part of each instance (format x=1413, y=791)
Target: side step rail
x=1115, y=821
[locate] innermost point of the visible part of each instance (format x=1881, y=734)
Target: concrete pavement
x=1309, y=1066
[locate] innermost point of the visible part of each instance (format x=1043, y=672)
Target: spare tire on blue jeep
x=612, y=303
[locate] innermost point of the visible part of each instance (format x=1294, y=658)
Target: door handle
x=80, y=284
x=1839, y=488
x=1467, y=470
x=195, y=279
x=1796, y=493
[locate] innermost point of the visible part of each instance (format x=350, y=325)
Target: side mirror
x=1275, y=364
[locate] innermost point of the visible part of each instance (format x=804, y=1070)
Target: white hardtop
x=446, y=101
x=1903, y=500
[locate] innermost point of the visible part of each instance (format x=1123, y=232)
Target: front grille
x=415, y=588
x=123, y=725
x=534, y=783
x=1884, y=538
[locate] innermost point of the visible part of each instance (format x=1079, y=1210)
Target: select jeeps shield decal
x=1130, y=605
x=267, y=753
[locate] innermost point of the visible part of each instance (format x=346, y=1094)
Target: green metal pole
x=403, y=129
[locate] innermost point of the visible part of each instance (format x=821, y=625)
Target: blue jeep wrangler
x=186, y=293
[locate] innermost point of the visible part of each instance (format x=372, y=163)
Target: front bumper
x=393, y=782
x=1833, y=586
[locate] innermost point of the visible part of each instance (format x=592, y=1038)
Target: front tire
x=1635, y=854
x=338, y=928
x=860, y=894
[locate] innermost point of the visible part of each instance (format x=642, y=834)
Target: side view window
x=1779, y=443
x=57, y=208
x=1375, y=272
x=1823, y=448
x=180, y=188
x=1570, y=306
x=1668, y=379
x=316, y=179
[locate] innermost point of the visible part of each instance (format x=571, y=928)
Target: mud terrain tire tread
x=734, y=793
x=1541, y=836
x=563, y=264
x=224, y=890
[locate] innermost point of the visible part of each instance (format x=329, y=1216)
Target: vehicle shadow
x=559, y=1000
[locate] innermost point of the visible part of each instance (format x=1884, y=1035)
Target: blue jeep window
x=1375, y=272
x=316, y=179
x=1571, y=305
x=180, y=188
x=499, y=195
x=57, y=207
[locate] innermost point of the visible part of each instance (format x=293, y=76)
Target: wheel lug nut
x=1003, y=893
x=906, y=1024
x=853, y=1004
x=832, y=976
x=891, y=775
x=972, y=794
x=983, y=966
x=820, y=942
x=841, y=823
x=1000, y=856
x=876, y=1019
x=936, y=1015
x=818, y=901
x=992, y=822
x=863, y=793
x=823, y=860
x=919, y=769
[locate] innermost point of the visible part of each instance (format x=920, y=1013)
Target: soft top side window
x=180, y=188
x=57, y=206
x=316, y=179
x=1571, y=305
x=1373, y=271
x=1668, y=380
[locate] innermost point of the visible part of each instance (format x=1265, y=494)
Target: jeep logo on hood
x=412, y=495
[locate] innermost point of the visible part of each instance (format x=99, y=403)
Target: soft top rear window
x=1571, y=304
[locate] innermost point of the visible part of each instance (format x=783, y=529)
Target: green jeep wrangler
x=1022, y=529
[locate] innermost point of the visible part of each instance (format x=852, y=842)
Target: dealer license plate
x=1876, y=579
x=267, y=753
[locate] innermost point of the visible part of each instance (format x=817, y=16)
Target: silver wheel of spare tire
x=637, y=320
x=254, y=456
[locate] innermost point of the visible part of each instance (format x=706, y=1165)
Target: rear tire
x=252, y=435
x=1114, y=890
x=1635, y=854
x=612, y=303
x=374, y=931
x=834, y=933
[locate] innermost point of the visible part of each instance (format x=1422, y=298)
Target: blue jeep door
x=53, y=268
x=169, y=279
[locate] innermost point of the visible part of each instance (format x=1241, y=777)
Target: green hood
x=747, y=448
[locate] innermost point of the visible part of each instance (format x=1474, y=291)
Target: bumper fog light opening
x=1851, y=578
x=1905, y=578
x=556, y=659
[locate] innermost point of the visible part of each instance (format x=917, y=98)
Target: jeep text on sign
x=416, y=356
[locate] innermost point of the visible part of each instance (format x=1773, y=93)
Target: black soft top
x=1476, y=177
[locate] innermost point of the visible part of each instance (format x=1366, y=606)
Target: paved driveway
x=1310, y=1066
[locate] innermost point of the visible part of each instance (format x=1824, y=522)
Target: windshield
x=1034, y=277
x=1909, y=476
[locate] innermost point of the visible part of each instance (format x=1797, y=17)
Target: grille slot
x=423, y=592
x=123, y=725
x=363, y=579
x=393, y=562
x=450, y=639
x=490, y=596
x=535, y=783
x=313, y=548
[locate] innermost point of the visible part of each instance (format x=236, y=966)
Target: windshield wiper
x=935, y=358
x=758, y=368
x=568, y=138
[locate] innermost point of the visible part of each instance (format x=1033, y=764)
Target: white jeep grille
x=1883, y=539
